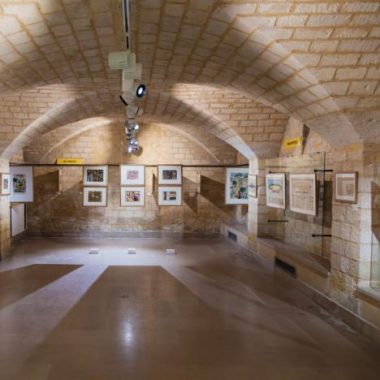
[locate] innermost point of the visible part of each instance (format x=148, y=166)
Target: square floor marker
x=131, y=251
x=170, y=251
x=94, y=251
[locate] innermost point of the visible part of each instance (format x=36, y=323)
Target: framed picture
x=132, y=196
x=252, y=186
x=346, y=187
x=21, y=184
x=95, y=196
x=303, y=194
x=132, y=175
x=169, y=175
x=95, y=176
x=275, y=189
x=170, y=196
x=5, y=188
x=236, y=189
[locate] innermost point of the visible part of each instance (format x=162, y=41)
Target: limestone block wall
x=58, y=206
x=5, y=239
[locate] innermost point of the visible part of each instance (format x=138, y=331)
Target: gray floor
x=206, y=313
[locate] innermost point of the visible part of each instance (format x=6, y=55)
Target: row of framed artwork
x=132, y=175
x=132, y=196
x=303, y=192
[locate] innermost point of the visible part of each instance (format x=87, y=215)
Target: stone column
x=5, y=238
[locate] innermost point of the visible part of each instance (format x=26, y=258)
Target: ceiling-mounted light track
x=126, y=12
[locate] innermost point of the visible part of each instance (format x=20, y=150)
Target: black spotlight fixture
x=141, y=90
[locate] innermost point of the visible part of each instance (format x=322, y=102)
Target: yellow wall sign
x=292, y=143
x=69, y=161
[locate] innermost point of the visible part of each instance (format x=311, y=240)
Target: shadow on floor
x=18, y=283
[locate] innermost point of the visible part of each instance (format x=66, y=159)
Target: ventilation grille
x=290, y=269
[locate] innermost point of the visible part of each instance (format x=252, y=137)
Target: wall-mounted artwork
x=132, y=175
x=346, y=187
x=5, y=187
x=236, y=191
x=169, y=175
x=252, y=186
x=170, y=196
x=275, y=189
x=21, y=183
x=95, y=196
x=132, y=196
x=95, y=175
x=303, y=195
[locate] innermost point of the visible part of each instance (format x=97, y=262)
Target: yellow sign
x=69, y=161
x=292, y=143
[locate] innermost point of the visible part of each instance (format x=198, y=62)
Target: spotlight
x=141, y=90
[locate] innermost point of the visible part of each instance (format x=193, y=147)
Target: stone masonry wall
x=4, y=216
x=58, y=205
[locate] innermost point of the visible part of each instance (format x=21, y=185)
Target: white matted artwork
x=303, y=195
x=95, y=175
x=236, y=190
x=170, y=196
x=169, y=175
x=132, y=175
x=5, y=186
x=95, y=196
x=21, y=184
x=132, y=196
x=346, y=187
x=275, y=190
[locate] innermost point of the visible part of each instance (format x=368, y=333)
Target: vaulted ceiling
x=234, y=69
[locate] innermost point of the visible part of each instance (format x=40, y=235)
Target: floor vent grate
x=286, y=267
x=232, y=236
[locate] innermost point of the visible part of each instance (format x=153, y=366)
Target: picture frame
x=303, y=193
x=21, y=182
x=170, y=175
x=346, y=187
x=5, y=184
x=170, y=196
x=275, y=185
x=132, y=175
x=132, y=196
x=236, y=186
x=95, y=196
x=252, y=186
x=95, y=175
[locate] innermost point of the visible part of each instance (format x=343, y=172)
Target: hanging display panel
x=21, y=184
x=95, y=175
x=132, y=196
x=132, y=175
x=303, y=195
x=169, y=175
x=5, y=186
x=95, y=196
x=346, y=187
x=170, y=196
x=275, y=190
x=236, y=190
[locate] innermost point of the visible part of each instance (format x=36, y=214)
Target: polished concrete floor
x=205, y=313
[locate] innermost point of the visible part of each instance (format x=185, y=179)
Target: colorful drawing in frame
x=5, y=184
x=132, y=196
x=21, y=184
x=303, y=195
x=95, y=196
x=236, y=190
x=170, y=196
x=95, y=175
x=169, y=175
x=275, y=190
x=346, y=187
x=132, y=175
